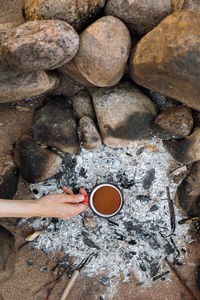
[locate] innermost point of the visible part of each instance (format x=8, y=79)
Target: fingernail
x=81, y=197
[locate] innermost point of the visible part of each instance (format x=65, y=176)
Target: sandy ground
x=29, y=282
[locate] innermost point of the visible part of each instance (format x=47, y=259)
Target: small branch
x=171, y=211
x=189, y=220
x=180, y=279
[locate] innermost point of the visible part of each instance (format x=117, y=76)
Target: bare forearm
x=19, y=208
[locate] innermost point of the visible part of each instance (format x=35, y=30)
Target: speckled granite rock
x=54, y=125
x=141, y=16
x=191, y=4
x=124, y=114
x=16, y=86
x=188, y=192
x=89, y=134
x=8, y=177
x=175, y=122
x=76, y=13
x=103, y=51
x=167, y=58
x=40, y=45
x=7, y=254
x=185, y=150
x=82, y=104
x=34, y=162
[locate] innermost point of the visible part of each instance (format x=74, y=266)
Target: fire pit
x=140, y=236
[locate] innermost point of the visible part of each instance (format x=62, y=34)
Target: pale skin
x=62, y=206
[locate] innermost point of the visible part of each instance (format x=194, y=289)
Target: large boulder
x=8, y=177
x=141, y=16
x=16, y=86
x=34, y=162
x=167, y=58
x=185, y=150
x=175, y=122
x=188, y=192
x=40, y=45
x=76, y=13
x=54, y=125
x=7, y=254
x=103, y=51
x=124, y=114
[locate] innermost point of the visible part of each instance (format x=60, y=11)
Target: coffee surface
x=106, y=200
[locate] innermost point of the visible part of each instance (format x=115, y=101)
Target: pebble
x=89, y=135
x=82, y=105
x=175, y=122
x=186, y=150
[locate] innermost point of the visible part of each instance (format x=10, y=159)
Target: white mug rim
x=96, y=189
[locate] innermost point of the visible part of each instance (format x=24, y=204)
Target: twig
x=171, y=211
x=180, y=279
x=189, y=220
x=160, y=275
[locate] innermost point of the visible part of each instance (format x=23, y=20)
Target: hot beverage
x=107, y=200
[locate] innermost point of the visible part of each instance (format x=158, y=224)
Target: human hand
x=62, y=206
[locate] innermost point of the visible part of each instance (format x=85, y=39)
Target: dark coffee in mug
x=106, y=200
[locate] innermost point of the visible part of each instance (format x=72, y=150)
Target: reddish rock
x=76, y=13
x=82, y=104
x=71, y=70
x=167, y=58
x=175, y=122
x=8, y=177
x=140, y=15
x=15, y=86
x=103, y=51
x=123, y=113
x=188, y=192
x=54, y=125
x=7, y=254
x=89, y=135
x=186, y=150
x=40, y=45
x=34, y=162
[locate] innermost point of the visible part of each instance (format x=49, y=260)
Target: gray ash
x=138, y=238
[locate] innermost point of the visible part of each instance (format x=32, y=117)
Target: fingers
x=82, y=191
x=77, y=209
x=73, y=198
x=67, y=190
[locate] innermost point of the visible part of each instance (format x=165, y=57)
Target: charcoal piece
x=130, y=254
x=197, y=276
x=48, y=291
x=127, y=184
x=43, y=269
x=143, y=198
x=149, y=178
x=154, y=268
x=154, y=208
x=140, y=150
x=169, y=249
x=142, y=267
x=87, y=241
x=101, y=298
x=152, y=241
x=160, y=276
x=29, y=263
x=104, y=281
x=132, y=242
x=139, y=283
x=82, y=173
